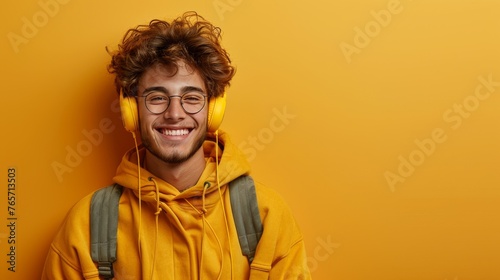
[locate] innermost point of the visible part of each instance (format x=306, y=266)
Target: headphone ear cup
x=128, y=107
x=216, y=108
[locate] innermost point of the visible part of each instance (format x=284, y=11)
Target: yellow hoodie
x=183, y=235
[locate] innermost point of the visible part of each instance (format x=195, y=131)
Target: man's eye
x=157, y=99
x=192, y=98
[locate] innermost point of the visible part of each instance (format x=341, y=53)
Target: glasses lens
x=193, y=102
x=157, y=103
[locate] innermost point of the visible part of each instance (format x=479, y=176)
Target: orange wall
x=377, y=121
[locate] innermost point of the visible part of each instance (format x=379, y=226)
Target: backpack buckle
x=106, y=269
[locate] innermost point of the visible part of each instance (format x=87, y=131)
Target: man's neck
x=180, y=175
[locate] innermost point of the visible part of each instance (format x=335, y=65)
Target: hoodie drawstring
x=221, y=201
x=157, y=214
x=138, y=190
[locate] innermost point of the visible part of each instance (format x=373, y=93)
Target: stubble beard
x=170, y=154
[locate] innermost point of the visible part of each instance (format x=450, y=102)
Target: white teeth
x=177, y=132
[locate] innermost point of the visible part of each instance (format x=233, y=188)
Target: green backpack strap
x=103, y=228
x=246, y=214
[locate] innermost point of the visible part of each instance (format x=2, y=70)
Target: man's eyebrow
x=164, y=90
x=152, y=89
x=191, y=89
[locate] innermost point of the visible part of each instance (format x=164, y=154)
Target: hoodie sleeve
x=69, y=252
x=281, y=252
x=56, y=267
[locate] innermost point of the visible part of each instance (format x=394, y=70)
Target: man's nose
x=175, y=109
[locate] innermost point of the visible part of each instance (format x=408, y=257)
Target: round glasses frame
x=191, y=102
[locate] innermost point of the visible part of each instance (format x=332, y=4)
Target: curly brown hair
x=189, y=38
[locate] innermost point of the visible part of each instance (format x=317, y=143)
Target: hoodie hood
x=232, y=164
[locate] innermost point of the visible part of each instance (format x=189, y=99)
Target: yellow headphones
x=130, y=116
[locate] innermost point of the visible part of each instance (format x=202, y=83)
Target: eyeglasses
x=191, y=102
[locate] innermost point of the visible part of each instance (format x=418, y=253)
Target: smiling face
x=173, y=136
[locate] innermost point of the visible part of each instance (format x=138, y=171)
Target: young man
x=175, y=219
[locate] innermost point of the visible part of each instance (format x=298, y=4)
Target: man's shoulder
x=80, y=210
x=269, y=199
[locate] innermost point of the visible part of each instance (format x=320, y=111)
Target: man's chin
x=173, y=154
x=170, y=157
x=175, y=158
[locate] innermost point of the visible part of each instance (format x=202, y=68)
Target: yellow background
x=330, y=99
